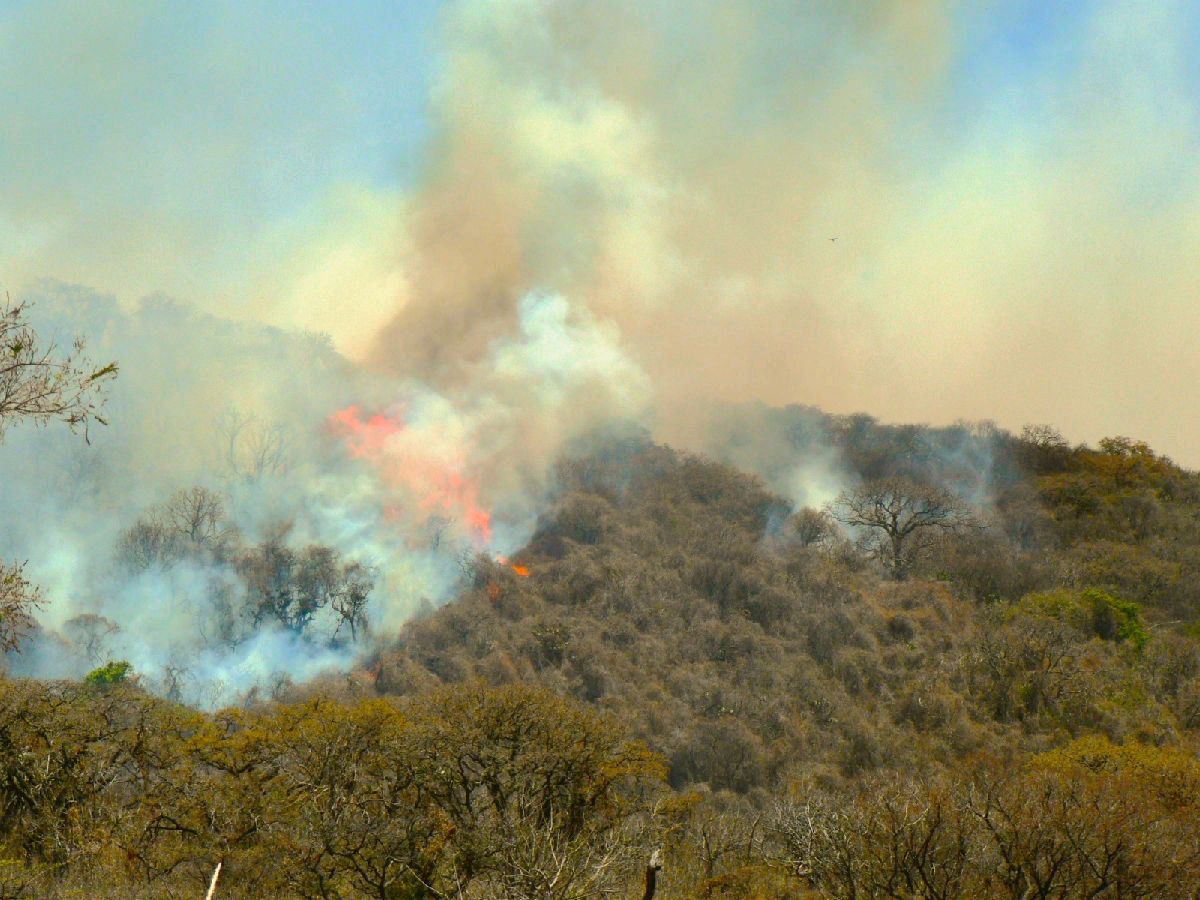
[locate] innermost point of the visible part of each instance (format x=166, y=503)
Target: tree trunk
x=652, y=871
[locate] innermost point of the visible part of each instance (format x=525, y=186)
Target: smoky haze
x=302, y=449
x=1013, y=188
x=1020, y=256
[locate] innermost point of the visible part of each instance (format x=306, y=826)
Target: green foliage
x=112, y=672
x=1092, y=611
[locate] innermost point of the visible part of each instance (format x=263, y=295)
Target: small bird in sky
x=833, y=239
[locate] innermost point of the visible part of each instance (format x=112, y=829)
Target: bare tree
x=90, y=632
x=811, y=526
x=39, y=383
x=191, y=521
x=197, y=515
x=899, y=517
x=891, y=839
x=1043, y=449
x=250, y=447
x=534, y=858
x=147, y=542
x=350, y=598
x=174, y=676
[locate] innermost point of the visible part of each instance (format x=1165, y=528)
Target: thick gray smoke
x=301, y=448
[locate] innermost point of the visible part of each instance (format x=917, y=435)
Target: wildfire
x=521, y=570
x=365, y=439
x=425, y=476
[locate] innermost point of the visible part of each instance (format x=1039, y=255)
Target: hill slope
x=681, y=661
x=749, y=649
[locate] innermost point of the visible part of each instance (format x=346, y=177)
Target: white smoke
x=245, y=410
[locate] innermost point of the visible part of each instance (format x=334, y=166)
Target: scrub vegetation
x=951, y=680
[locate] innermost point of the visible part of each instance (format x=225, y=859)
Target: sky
x=1014, y=187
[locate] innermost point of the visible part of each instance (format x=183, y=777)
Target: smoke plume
x=304, y=449
x=1015, y=246
x=621, y=211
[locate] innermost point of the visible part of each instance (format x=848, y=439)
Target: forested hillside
x=754, y=648
x=956, y=679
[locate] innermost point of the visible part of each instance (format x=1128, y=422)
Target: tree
x=292, y=587
x=191, y=522
x=1043, y=449
x=890, y=838
x=89, y=632
x=811, y=526
x=350, y=598
x=146, y=543
x=196, y=514
x=40, y=384
x=543, y=796
x=112, y=672
x=251, y=448
x=900, y=517
x=18, y=599
x=353, y=820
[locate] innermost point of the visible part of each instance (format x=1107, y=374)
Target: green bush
x=1093, y=611
x=112, y=672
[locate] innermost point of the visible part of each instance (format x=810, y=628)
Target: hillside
x=1004, y=706
x=752, y=648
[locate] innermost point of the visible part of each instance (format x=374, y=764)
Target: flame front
x=425, y=476
x=519, y=569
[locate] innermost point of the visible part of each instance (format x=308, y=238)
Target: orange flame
x=436, y=486
x=364, y=439
x=523, y=571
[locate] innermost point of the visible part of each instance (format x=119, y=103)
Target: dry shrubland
x=976, y=672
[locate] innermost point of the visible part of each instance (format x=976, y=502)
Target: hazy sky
x=1014, y=187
